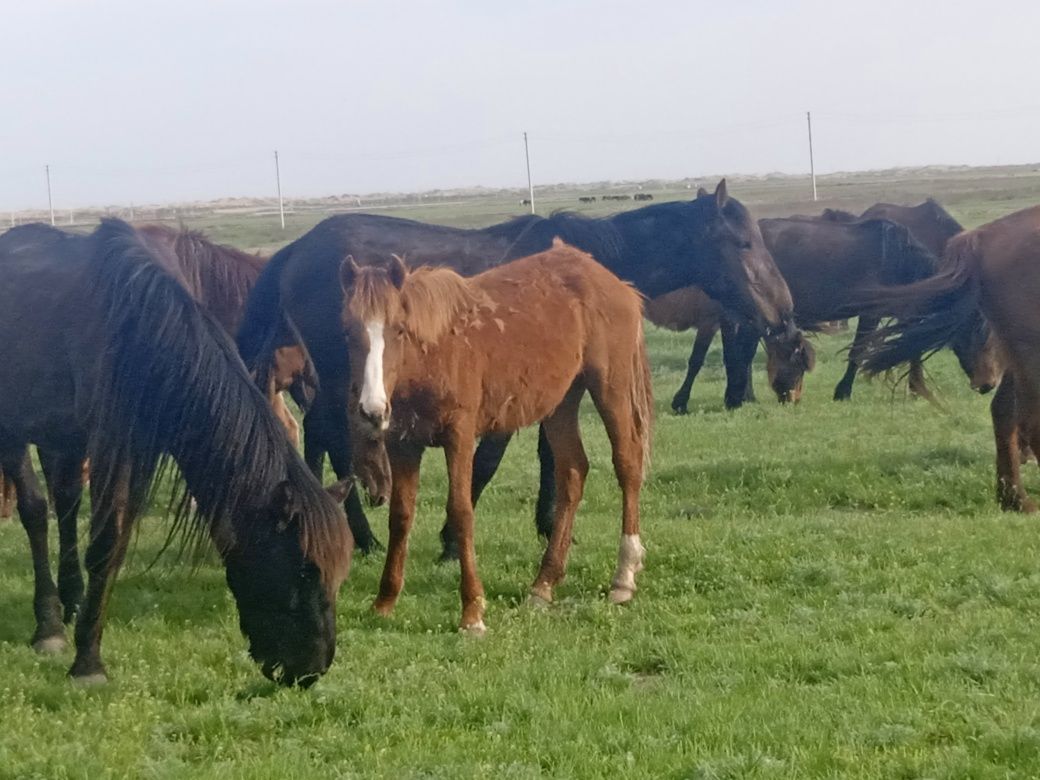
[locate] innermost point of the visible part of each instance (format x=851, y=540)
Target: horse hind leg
x=571, y=466
x=49, y=636
x=1006, y=425
x=629, y=441
x=64, y=475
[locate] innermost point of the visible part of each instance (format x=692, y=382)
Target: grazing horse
x=991, y=275
x=828, y=264
x=711, y=241
x=786, y=364
x=111, y=358
x=457, y=358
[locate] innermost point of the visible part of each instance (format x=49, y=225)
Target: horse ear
x=340, y=490
x=808, y=355
x=721, y=196
x=701, y=192
x=398, y=271
x=348, y=271
x=558, y=243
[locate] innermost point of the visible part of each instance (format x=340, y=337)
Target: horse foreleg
x=49, y=636
x=1004, y=410
x=735, y=356
x=110, y=525
x=701, y=345
x=405, y=461
x=458, y=452
x=563, y=437
x=64, y=475
x=865, y=326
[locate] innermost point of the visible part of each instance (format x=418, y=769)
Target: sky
x=144, y=102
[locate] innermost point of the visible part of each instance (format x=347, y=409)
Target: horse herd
x=131, y=349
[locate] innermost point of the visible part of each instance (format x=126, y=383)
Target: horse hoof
x=535, y=601
x=91, y=680
x=621, y=595
x=50, y=645
x=474, y=629
x=382, y=608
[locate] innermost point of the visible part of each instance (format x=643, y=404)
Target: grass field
x=830, y=591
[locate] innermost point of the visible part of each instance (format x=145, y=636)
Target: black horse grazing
x=711, y=241
x=109, y=357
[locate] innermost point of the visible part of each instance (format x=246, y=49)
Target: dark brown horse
x=440, y=360
x=992, y=272
x=824, y=262
x=689, y=308
x=711, y=241
x=111, y=358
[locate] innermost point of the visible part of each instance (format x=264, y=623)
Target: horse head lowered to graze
x=711, y=241
x=133, y=375
x=438, y=360
x=690, y=308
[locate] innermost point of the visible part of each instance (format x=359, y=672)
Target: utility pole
x=278, y=182
x=530, y=186
x=50, y=203
x=812, y=166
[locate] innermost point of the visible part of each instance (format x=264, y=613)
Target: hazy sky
x=141, y=101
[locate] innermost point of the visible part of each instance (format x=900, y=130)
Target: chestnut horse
x=110, y=357
x=992, y=272
x=786, y=360
x=457, y=358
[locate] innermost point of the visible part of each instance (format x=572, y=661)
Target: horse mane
x=598, y=236
x=903, y=258
x=432, y=300
x=219, y=277
x=171, y=385
x=942, y=216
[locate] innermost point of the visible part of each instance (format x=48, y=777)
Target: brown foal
x=459, y=358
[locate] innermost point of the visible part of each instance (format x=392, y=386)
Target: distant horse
x=689, y=308
x=643, y=196
x=457, y=358
x=111, y=358
x=992, y=272
x=587, y=199
x=711, y=241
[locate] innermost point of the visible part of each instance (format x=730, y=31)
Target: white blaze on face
x=373, y=389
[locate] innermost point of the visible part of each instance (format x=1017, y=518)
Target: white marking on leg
x=373, y=389
x=630, y=562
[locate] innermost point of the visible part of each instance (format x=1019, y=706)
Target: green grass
x=830, y=591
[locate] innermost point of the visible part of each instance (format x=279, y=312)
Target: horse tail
x=929, y=313
x=263, y=324
x=642, y=396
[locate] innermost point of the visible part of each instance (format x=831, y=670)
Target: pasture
x=830, y=591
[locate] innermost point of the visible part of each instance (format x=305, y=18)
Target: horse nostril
x=983, y=389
